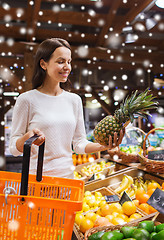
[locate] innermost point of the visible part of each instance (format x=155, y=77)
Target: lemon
x=102, y=203
x=98, y=195
x=78, y=218
x=109, y=217
x=87, y=193
x=85, y=207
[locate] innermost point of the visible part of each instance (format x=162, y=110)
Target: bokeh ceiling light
x=150, y=23
x=160, y=3
x=130, y=38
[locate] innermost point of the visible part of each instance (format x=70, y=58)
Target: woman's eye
x=60, y=62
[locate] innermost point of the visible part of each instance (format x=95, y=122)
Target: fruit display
x=79, y=159
x=144, y=230
x=97, y=212
x=101, y=168
x=132, y=149
x=137, y=184
x=90, y=169
x=134, y=105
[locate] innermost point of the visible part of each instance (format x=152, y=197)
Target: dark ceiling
x=97, y=32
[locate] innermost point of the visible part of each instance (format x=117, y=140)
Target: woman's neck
x=53, y=91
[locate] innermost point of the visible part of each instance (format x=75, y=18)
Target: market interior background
x=117, y=47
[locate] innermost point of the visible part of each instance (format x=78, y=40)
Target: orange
x=109, y=217
x=151, y=209
x=163, y=185
x=131, y=219
x=128, y=208
x=144, y=207
x=92, y=216
x=115, y=214
x=78, y=218
x=150, y=191
x=105, y=210
x=123, y=216
x=153, y=185
x=136, y=215
x=85, y=225
x=118, y=220
x=101, y=221
x=144, y=198
x=139, y=193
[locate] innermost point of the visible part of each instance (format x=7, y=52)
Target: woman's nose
x=67, y=66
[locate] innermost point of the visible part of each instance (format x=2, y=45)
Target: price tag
x=156, y=155
x=111, y=198
x=93, y=177
x=125, y=197
x=157, y=200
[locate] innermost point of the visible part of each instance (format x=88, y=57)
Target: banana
x=124, y=184
x=130, y=192
x=130, y=180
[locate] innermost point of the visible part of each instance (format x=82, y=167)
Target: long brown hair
x=44, y=51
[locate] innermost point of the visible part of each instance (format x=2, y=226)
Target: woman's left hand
x=116, y=141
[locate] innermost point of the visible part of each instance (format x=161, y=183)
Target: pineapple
x=134, y=105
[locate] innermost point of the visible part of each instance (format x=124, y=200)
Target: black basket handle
x=26, y=163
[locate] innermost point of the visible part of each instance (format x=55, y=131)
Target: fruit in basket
x=101, y=221
x=126, y=182
x=129, y=208
x=96, y=236
x=159, y=236
x=140, y=234
x=113, y=235
x=132, y=106
x=159, y=227
x=85, y=225
x=127, y=231
x=148, y=225
x=78, y=218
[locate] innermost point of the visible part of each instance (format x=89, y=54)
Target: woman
x=51, y=112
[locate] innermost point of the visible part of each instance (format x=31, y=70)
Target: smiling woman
x=53, y=113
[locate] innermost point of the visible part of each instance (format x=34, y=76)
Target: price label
x=157, y=200
x=93, y=177
x=111, y=198
x=156, y=155
x=125, y=197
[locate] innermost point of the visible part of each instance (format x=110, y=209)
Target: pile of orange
x=142, y=197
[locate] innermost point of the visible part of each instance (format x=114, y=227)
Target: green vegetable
x=152, y=234
x=159, y=236
x=127, y=231
x=148, y=225
x=159, y=227
x=113, y=235
x=140, y=234
x=96, y=236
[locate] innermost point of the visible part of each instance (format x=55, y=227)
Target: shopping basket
x=36, y=206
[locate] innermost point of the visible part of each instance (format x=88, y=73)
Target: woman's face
x=58, y=67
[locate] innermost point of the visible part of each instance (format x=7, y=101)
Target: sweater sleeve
x=79, y=139
x=19, y=125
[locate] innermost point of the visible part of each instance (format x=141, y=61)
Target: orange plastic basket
x=46, y=212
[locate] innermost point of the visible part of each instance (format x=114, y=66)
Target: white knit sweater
x=60, y=118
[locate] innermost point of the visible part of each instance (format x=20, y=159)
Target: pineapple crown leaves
x=137, y=105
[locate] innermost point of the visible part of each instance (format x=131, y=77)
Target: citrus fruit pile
x=143, y=195
x=97, y=212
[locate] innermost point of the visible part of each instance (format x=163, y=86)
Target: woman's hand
x=116, y=141
x=41, y=137
x=20, y=142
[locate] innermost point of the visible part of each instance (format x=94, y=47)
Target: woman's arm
x=20, y=142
